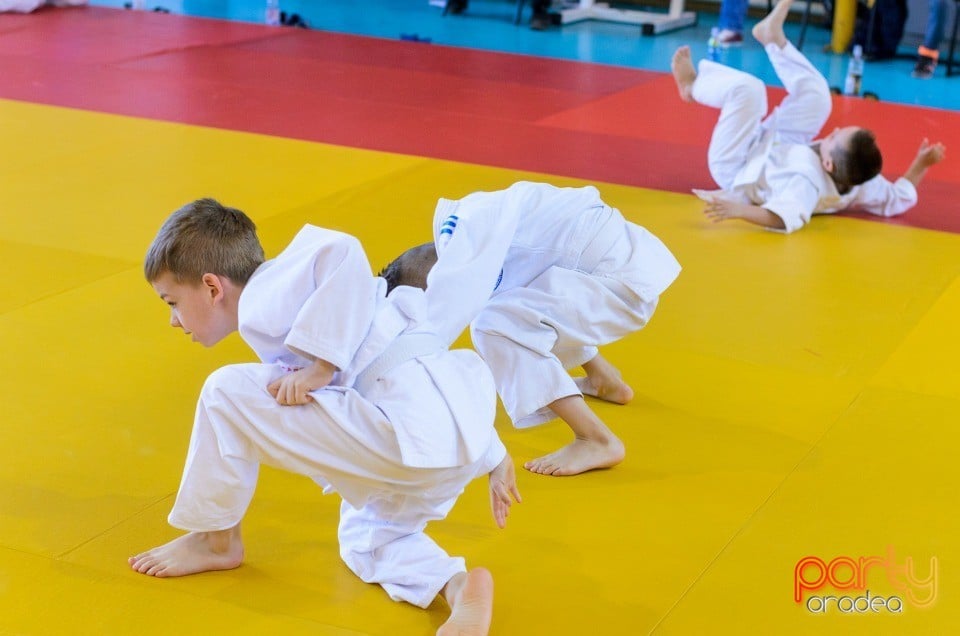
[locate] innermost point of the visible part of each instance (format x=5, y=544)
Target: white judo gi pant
x=340, y=440
x=529, y=336
x=742, y=100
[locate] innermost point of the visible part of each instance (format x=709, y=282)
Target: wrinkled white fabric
x=576, y=276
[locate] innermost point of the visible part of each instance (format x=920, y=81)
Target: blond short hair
x=205, y=237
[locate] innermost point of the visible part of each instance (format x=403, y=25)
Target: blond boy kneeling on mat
x=355, y=390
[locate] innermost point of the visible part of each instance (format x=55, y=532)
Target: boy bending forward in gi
x=577, y=275
x=770, y=170
x=355, y=390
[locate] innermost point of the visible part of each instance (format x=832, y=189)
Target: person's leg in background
x=732, y=15
x=540, y=20
x=928, y=53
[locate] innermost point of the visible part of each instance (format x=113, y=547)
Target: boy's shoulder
x=314, y=237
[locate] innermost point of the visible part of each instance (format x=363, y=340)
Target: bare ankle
x=607, y=440
x=222, y=541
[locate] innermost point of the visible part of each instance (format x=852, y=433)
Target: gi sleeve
x=794, y=199
x=883, y=198
x=334, y=320
x=472, y=243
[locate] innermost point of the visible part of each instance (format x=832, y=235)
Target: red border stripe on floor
x=594, y=122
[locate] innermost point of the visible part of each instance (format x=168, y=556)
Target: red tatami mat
x=593, y=122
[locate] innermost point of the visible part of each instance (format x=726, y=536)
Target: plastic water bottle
x=854, y=72
x=272, y=13
x=713, y=45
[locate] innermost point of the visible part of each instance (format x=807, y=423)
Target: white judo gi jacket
x=399, y=432
x=577, y=275
x=767, y=160
x=318, y=300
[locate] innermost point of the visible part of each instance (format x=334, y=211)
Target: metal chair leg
x=803, y=25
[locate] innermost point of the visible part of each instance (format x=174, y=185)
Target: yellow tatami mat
x=796, y=398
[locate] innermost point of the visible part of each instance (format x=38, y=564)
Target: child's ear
x=213, y=286
x=827, y=164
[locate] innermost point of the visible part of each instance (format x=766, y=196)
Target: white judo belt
x=403, y=349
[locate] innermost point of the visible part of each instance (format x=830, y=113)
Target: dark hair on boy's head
x=410, y=268
x=859, y=162
x=205, y=237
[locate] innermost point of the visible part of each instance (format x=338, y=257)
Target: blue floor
x=488, y=24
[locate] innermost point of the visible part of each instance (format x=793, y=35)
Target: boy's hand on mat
x=718, y=209
x=294, y=388
x=503, y=486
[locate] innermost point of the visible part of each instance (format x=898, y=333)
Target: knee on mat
x=360, y=563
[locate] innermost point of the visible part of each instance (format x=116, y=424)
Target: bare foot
x=683, y=72
x=192, y=553
x=604, y=381
x=579, y=456
x=770, y=29
x=470, y=596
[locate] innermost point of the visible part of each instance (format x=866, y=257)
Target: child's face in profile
x=199, y=309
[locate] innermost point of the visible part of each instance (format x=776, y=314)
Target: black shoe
x=540, y=21
x=925, y=67
x=293, y=20
x=456, y=7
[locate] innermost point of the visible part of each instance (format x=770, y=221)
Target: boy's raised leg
x=192, y=553
x=683, y=72
x=604, y=382
x=770, y=29
x=470, y=597
x=595, y=446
